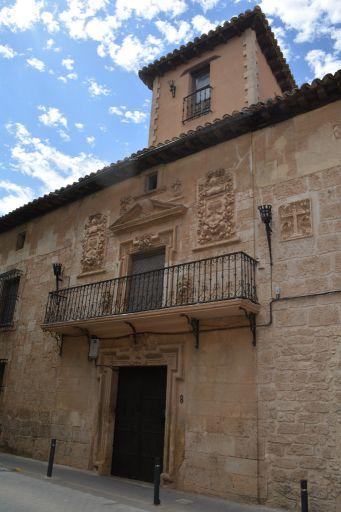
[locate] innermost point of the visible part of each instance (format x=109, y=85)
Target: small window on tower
x=151, y=182
x=20, y=240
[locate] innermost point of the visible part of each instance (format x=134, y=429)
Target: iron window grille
x=230, y=276
x=197, y=104
x=9, y=285
x=3, y=363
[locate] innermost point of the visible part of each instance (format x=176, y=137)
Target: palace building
x=184, y=303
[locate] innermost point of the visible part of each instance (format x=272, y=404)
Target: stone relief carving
x=337, y=131
x=295, y=219
x=177, y=187
x=215, y=207
x=94, y=243
x=145, y=241
x=125, y=204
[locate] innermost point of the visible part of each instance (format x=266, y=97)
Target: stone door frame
x=149, y=351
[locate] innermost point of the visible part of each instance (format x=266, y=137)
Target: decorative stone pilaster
x=251, y=78
x=155, y=112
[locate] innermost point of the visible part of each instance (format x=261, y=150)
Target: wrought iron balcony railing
x=197, y=104
x=231, y=276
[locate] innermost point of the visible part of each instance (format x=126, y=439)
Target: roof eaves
x=221, y=34
x=308, y=97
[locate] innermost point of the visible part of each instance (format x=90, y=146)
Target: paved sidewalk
x=25, y=488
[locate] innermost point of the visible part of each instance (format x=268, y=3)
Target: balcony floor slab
x=168, y=320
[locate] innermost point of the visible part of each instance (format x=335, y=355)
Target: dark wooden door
x=139, y=422
x=145, y=286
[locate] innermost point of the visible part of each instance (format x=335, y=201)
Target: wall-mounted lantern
x=57, y=271
x=266, y=216
x=93, y=348
x=172, y=87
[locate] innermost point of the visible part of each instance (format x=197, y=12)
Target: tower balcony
x=197, y=104
x=221, y=286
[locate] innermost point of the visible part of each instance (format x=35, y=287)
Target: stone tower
x=232, y=67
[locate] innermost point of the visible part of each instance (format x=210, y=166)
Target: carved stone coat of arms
x=215, y=207
x=94, y=243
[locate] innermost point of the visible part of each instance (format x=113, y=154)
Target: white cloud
x=65, y=136
x=135, y=116
x=128, y=116
x=133, y=53
x=53, y=168
x=148, y=9
x=202, y=24
x=206, y=4
x=90, y=140
x=15, y=196
x=7, y=52
x=322, y=63
x=76, y=16
x=96, y=89
x=72, y=76
x=36, y=63
x=280, y=34
x=49, y=21
x=50, y=45
x=68, y=64
x=101, y=29
x=175, y=33
x=21, y=15
x=79, y=126
x=310, y=18
x=52, y=117
x=336, y=35
x=69, y=76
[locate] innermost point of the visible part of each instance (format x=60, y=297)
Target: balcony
x=207, y=288
x=197, y=104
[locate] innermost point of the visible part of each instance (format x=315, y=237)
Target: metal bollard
x=51, y=458
x=157, y=473
x=304, y=496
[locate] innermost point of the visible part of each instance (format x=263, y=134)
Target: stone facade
x=242, y=421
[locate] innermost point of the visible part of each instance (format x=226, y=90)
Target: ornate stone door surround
x=149, y=351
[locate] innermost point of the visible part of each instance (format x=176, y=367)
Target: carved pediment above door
x=146, y=212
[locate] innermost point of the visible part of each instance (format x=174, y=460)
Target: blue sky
x=71, y=97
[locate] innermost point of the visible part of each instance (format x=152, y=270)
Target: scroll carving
x=295, y=219
x=94, y=243
x=215, y=207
